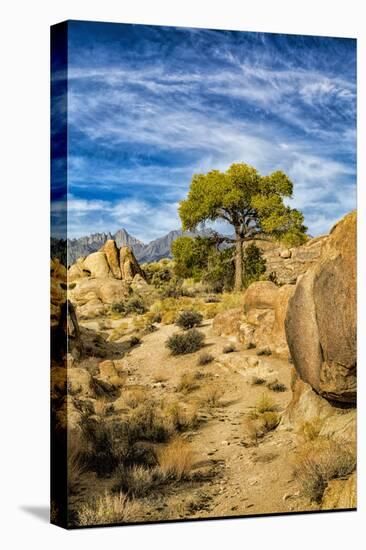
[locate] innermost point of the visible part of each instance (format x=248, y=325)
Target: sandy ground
x=244, y=480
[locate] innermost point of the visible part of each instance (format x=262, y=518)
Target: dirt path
x=247, y=480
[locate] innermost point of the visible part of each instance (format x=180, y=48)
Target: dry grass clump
x=257, y=426
x=230, y=300
x=149, y=423
x=187, y=382
x=110, y=509
x=160, y=376
x=205, y=359
x=136, y=481
x=258, y=381
x=75, y=462
x=310, y=429
x=320, y=460
x=134, y=341
x=176, y=459
x=133, y=397
x=229, y=348
x=265, y=404
x=182, y=417
x=118, y=332
x=186, y=342
x=211, y=395
x=277, y=386
x=264, y=351
x=261, y=420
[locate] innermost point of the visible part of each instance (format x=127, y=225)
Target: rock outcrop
x=284, y=264
x=102, y=279
x=260, y=322
x=321, y=317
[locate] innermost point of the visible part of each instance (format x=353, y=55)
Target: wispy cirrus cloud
x=151, y=106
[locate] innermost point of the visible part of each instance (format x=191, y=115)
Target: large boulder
x=340, y=494
x=128, y=264
x=321, y=317
x=260, y=295
x=96, y=263
x=260, y=322
x=93, y=297
x=228, y=322
x=111, y=252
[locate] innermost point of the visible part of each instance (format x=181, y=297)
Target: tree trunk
x=238, y=262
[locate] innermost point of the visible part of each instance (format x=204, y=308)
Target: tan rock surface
x=111, y=251
x=97, y=264
x=321, y=317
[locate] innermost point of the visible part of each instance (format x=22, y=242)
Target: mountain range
x=150, y=252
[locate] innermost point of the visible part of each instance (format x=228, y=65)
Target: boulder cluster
x=102, y=279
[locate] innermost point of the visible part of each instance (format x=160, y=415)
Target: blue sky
x=150, y=106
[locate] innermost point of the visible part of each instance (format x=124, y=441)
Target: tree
x=254, y=264
x=251, y=203
x=190, y=256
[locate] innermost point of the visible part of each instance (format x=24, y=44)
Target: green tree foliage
x=190, y=256
x=200, y=258
x=254, y=264
x=253, y=204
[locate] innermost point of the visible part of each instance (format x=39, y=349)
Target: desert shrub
x=160, y=376
x=133, y=397
x=187, y=383
x=258, y=381
x=109, y=509
x=273, y=277
x=118, y=332
x=188, y=342
x=135, y=341
x=212, y=300
x=205, y=359
x=75, y=461
x=310, y=429
x=256, y=425
x=211, y=395
x=158, y=274
x=251, y=345
x=168, y=318
x=182, y=418
x=270, y=420
x=148, y=423
x=320, y=460
x=264, y=351
x=135, y=481
x=264, y=404
x=135, y=304
x=189, y=319
x=149, y=328
x=277, y=387
x=118, y=307
x=140, y=453
x=103, y=453
x=229, y=348
x=209, y=311
x=176, y=459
